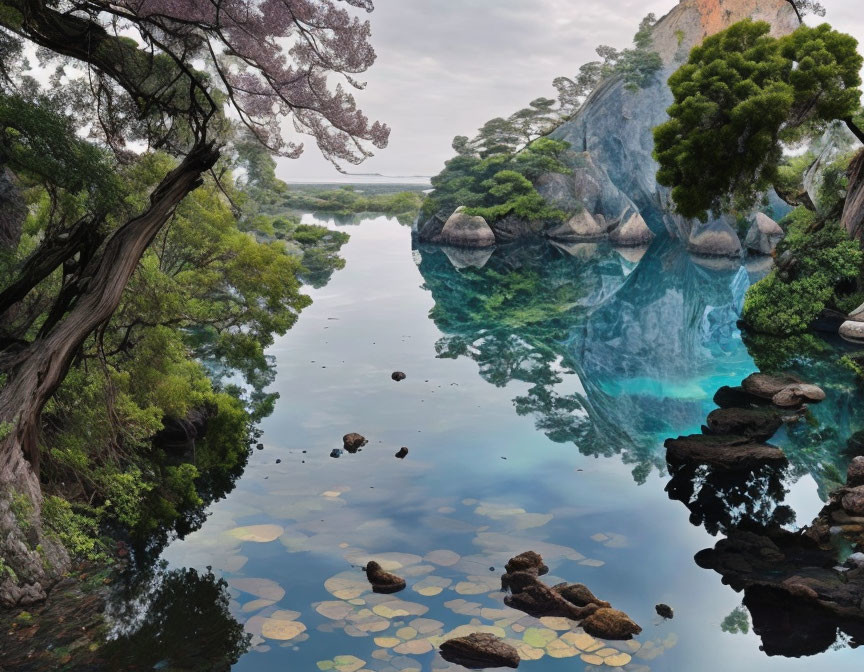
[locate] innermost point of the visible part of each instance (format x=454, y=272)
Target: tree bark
x=853, y=209
x=41, y=368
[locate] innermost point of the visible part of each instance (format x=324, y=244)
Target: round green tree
x=743, y=95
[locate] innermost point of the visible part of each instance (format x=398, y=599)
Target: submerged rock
x=764, y=235
x=397, y=376
x=758, y=424
x=336, y=452
x=383, y=582
x=480, y=650
x=664, y=610
x=353, y=442
x=724, y=452
x=610, y=623
x=464, y=230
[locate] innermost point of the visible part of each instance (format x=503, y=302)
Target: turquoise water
x=539, y=391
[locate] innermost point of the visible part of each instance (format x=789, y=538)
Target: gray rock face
x=766, y=385
x=855, y=474
x=430, y=230
x=615, y=124
x=463, y=230
x=511, y=228
x=764, y=235
x=597, y=207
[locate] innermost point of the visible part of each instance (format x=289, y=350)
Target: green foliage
x=79, y=532
x=741, y=94
x=498, y=185
x=349, y=200
x=816, y=265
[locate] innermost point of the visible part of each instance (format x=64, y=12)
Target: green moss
x=76, y=528
x=24, y=618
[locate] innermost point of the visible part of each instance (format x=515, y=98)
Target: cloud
x=446, y=66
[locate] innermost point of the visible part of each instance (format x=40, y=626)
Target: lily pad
x=277, y=628
x=263, y=588
x=257, y=533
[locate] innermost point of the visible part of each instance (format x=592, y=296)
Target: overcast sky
x=446, y=66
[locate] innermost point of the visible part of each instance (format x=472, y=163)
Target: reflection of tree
x=608, y=346
x=736, y=622
x=175, y=619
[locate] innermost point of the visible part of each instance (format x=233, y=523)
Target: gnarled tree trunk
x=13, y=210
x=853, y=210
x=37, y=559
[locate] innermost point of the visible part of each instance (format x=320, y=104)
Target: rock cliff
x=615, y=124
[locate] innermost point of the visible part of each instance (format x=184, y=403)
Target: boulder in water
x=754, y=423
x=631, y=232
x=464, y=230
x=397, y=376
x=581, y=226
x=579, y=594
x=512, y=228
x=855, y=473
x=714, y=239
x=852, y=331
x=353, y=442
x=610, y=623
x=535, y=598
x=766, y=385
x=430, y=230
x=383, y=582
x=402, y=453
x=795, y=395
x=529, y=561
x=664, y=611
x=479, y=651
x=722, y=452
x=764, y=235
x=736, y=397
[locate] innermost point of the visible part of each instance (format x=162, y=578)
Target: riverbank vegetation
x=352, y=199
x=143, y=274
x=741, y=101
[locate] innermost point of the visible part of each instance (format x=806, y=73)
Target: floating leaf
x=277, y=628
x=539, y=637
x=431, y=585
x=558, y=648
x=257, y=533
x=618, y=659
x=406, y=633
x=415, y=647
x=425, y=626
x=399, y=608
x=591, y=659
x=557, y=623
x=477, y=585
x=443, y=557
x=588, y=562
x=335, y=611
x=285, y=615
x=526, y=651
x=255, y=605
x=263, y=588
x=347, y=585
x=387, y=642
x=581, y=640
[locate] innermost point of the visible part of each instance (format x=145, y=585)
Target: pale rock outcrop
x=581, y=226
x=764, y=235
x=464, y=230
x=714, y=239
x=852, y=331
x=633, y=232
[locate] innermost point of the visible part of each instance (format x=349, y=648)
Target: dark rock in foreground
x=724, y=452
x=760, y=424
x=535, y=598
x=383, y=582
x=798, y=394
x=479, y=651
x=736, y=397
x=353, y=442
x=529, y=561
x=664, y=610
x=610, y=624
x=403, y=453
x=579, y=594
x=397, y=376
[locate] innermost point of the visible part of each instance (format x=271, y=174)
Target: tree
x=739, y=98
x=157, y=73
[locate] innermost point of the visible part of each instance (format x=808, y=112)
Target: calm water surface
x=539, y=391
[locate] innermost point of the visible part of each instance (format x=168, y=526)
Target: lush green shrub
x=814, y=266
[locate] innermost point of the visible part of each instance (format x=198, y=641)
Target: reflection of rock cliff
x=615, y=124
x=617, y=350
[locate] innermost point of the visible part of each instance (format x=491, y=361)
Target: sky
x=446, y=66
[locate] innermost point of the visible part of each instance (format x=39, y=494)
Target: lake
x=541, y=384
